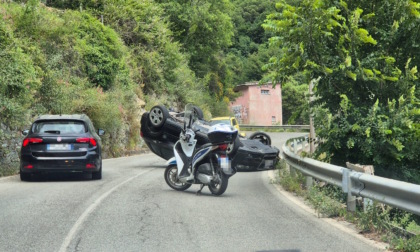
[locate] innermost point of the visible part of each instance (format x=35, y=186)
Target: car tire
x=152, y=131
x=97, y=175
x=157, y=116
x=262, y=137
x=25, y=176
x=233, y=147
x=147, y=129
x=198, y=112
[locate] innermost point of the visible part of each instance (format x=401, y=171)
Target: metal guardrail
x=299, y=127
x=395, y=193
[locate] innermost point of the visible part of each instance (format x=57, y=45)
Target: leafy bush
x=291, y=182
x=18, y=79
x=406, y=245
x=323, y=204
x=388, y=137
x=75, y=4
x=101, y=49
x=375, y=219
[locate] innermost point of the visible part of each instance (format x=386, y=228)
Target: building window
x=265, y=92
x=273, y=120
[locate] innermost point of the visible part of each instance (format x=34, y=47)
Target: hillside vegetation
x=110, y=63
x=115, y=59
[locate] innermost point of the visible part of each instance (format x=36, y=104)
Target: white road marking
x=89, y=210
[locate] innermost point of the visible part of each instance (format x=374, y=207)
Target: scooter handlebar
x=186, y=137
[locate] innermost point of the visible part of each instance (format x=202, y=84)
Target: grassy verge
x=400, y=229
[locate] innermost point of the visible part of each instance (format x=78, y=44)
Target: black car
x=61, y=143
x=160, y=130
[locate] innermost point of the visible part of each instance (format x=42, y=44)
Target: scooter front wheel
x=171, y=178
x=219, y=187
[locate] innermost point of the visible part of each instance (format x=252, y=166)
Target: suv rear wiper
x=52, y=131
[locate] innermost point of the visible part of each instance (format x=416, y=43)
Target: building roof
x=248, y=84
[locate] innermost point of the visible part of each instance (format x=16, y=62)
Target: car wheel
x=262, y=137
x=147, y=129
x=157, y=116
x=198, y=112
x=97, y=175
x=233, y=147
x=25, y=176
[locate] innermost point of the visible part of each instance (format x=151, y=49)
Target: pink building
x=258, y=104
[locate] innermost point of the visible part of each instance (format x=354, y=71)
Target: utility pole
x=311, y=119
x=309, y=179
x=311, y=116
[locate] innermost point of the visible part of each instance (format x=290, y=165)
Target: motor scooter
x=208, y=165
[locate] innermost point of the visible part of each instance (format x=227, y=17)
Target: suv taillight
x=92, y=141
x=27, y=141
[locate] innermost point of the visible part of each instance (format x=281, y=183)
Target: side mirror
x=25, y=132
x=101, y=132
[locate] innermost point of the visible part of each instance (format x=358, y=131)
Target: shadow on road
x=54, y=177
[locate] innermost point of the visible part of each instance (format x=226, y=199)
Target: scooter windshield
x=189, y=116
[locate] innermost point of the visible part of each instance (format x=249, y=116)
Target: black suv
x=61, y=143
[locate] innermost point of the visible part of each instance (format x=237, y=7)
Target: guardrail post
x=309, y=182
x=351, y=200
x=368, y=169
x=295, y=149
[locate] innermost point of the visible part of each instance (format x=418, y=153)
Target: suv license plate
x=269, y=163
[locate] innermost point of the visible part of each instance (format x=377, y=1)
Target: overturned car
x=160, y=130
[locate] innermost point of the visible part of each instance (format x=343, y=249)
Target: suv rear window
x=59, y=127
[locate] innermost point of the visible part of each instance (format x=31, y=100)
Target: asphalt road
x=132, y=209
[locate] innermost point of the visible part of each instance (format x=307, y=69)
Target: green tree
x=204, y=30
x=248, y=17
x=295, y=103
x=356, y=48
x=202, y=27
x=158, y=63
x=249, y=50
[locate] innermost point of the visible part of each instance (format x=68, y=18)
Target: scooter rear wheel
x=218, y=188
x=172, y=180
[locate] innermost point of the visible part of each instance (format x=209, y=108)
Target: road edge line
x=89, y=210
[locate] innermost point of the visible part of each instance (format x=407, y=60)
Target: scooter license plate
x=224, y=163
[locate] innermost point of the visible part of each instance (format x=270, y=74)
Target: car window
x=213, y=122
x=59, y=127
x=92, y=128
x=234, y=123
